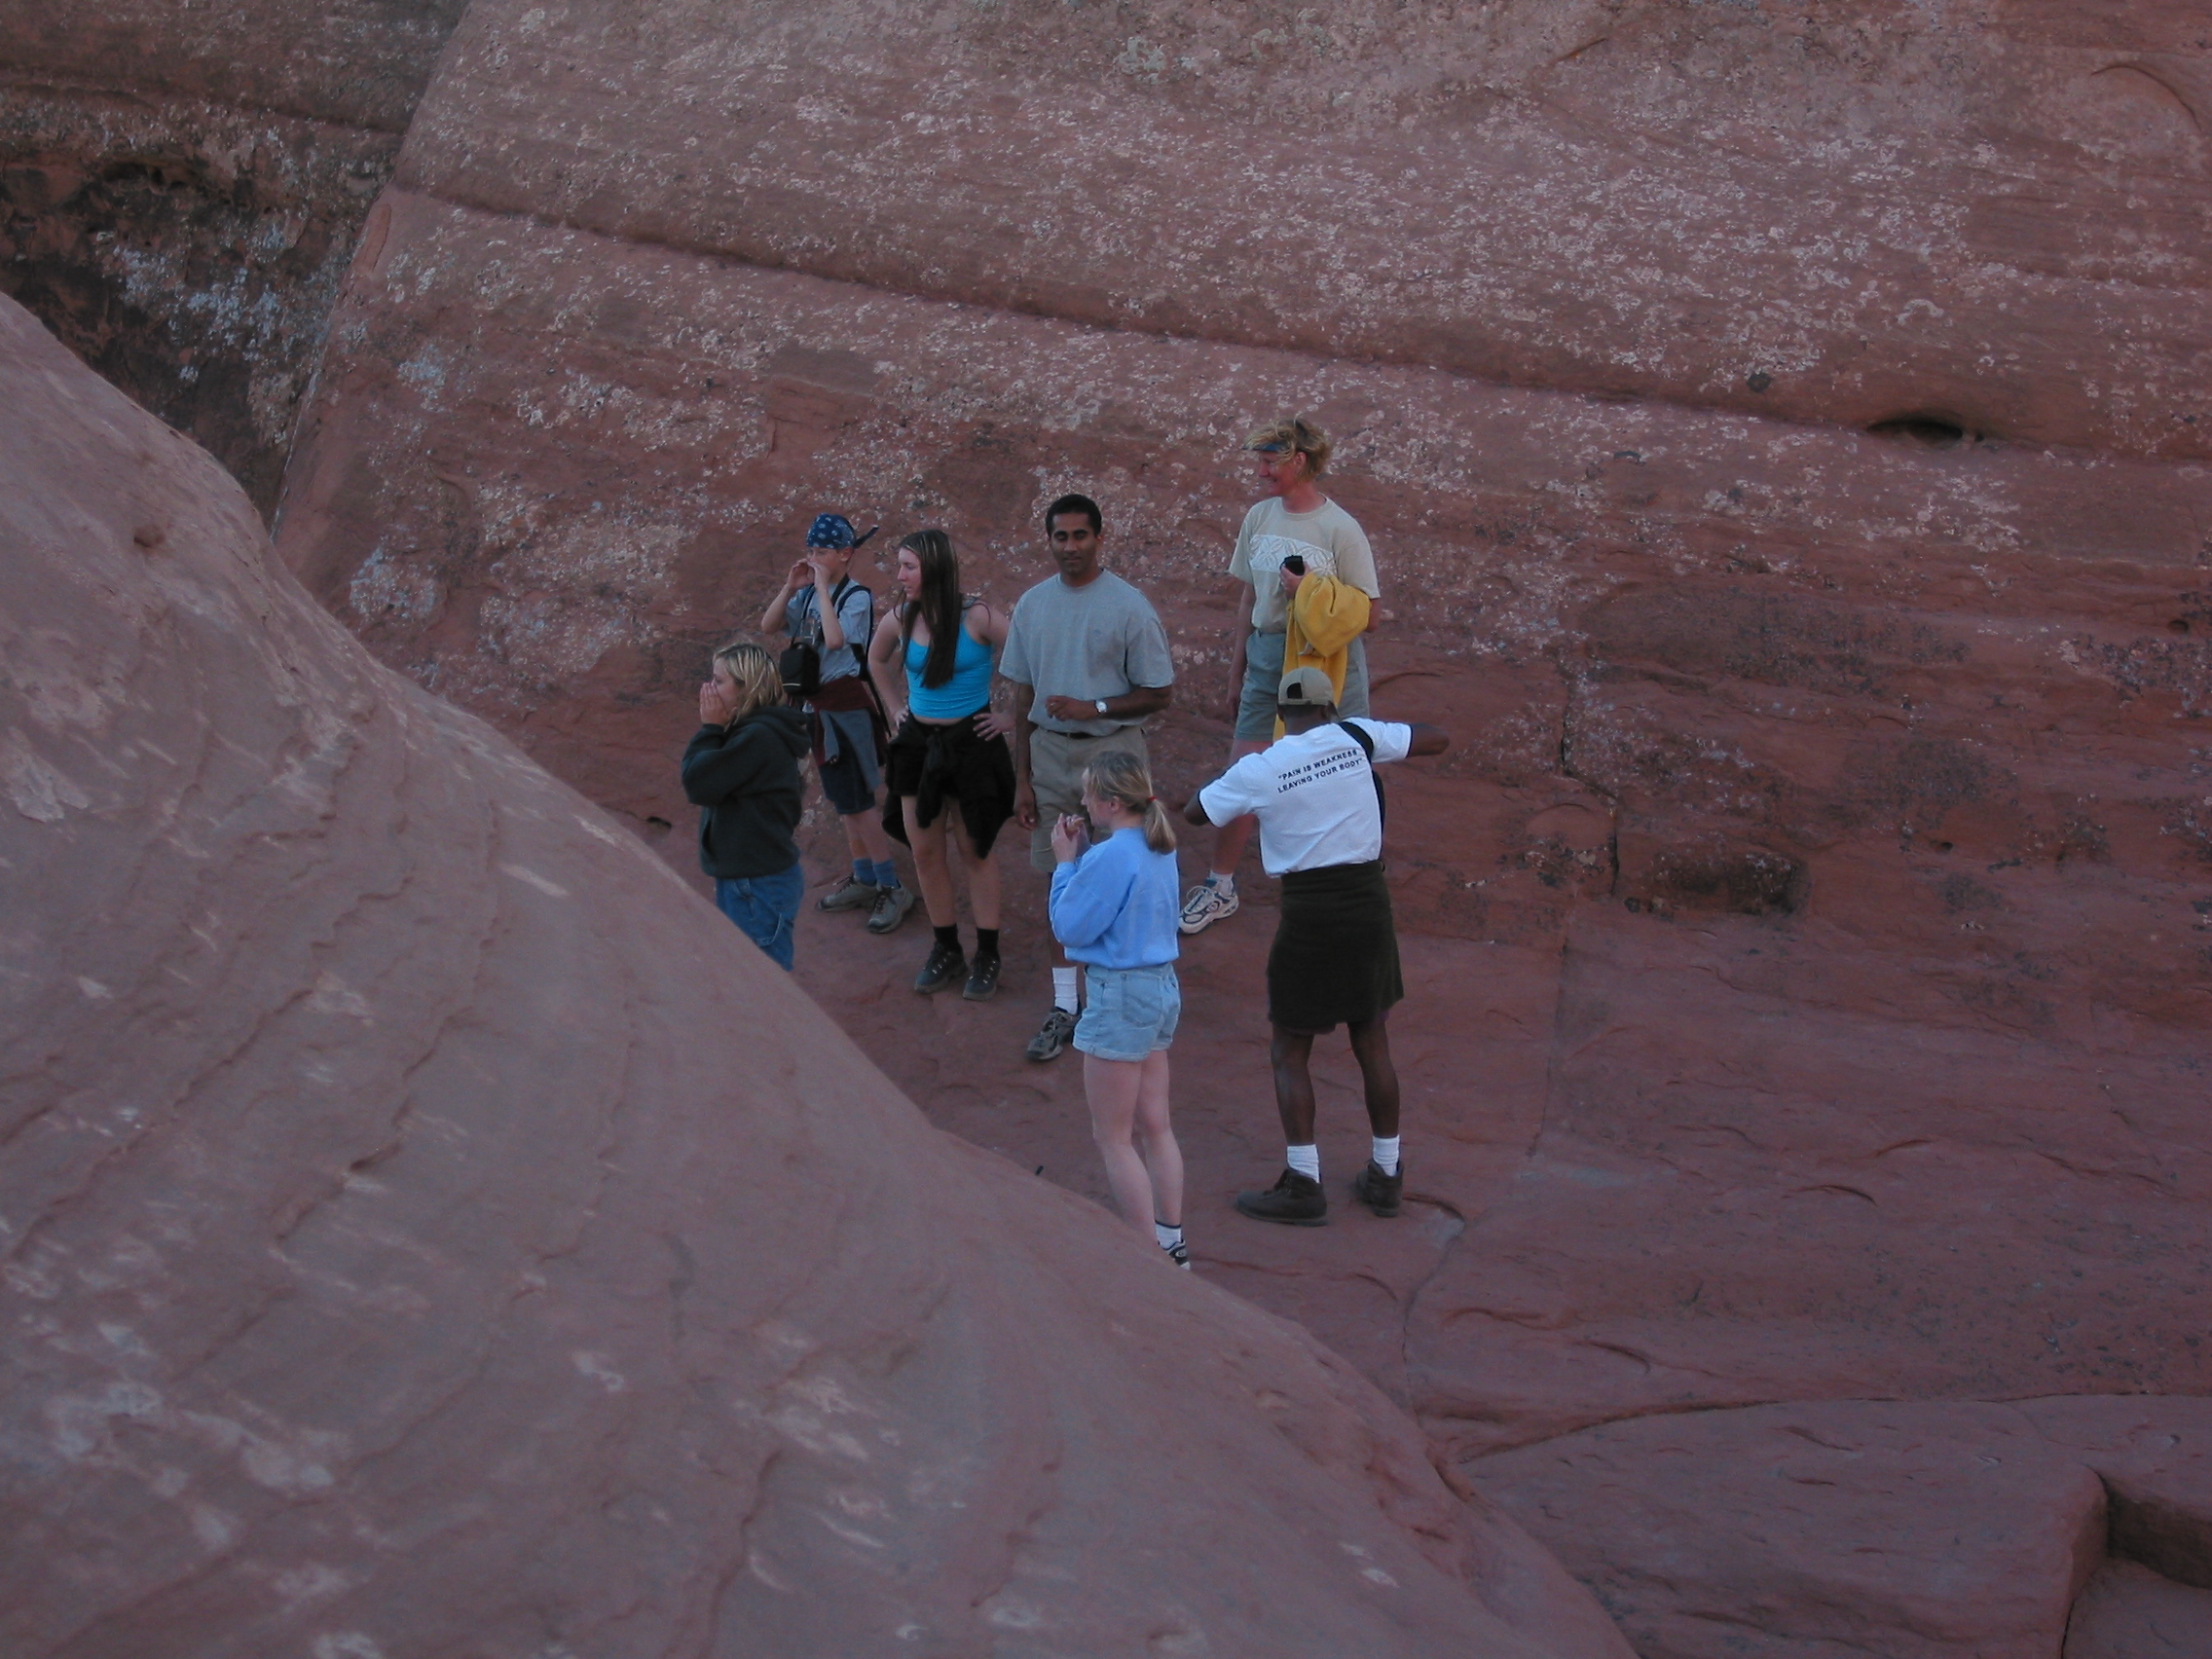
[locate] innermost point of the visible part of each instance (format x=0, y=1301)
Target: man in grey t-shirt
x=1089, y=664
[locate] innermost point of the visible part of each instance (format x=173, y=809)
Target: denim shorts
x=1262, y=681
x=1129, y=1012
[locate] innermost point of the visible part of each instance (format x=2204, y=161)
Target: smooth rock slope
x=427, y=1228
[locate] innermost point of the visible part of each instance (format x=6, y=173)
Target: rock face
x=1911, y=1529
x=181, y=188
x=1856, y=211
x=429, y=1228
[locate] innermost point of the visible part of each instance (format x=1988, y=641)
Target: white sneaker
x=1205, y=905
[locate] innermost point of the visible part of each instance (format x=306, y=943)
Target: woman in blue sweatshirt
x=741, y=770
x=1114, y=907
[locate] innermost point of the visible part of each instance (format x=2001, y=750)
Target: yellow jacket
x=1324, y=617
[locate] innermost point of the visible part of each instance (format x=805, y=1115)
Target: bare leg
x=1111, y=1088
x=865, y=837
x=1371, y=1048
x=1292, y=1052
x=982, y=874
x=1162, y=1154
x=930, y=866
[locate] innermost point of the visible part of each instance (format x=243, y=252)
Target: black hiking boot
x=1379, y=1192
x=948, y=966
x=1295, y=1200
x=982, y=979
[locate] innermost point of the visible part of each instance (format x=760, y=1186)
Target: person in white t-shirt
x=1293, y=531
x=1335, y=958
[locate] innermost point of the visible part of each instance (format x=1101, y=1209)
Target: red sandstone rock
x=1983, y=212
x=2130, y=1612
x=1886, y=1527
x=429, y=1229
x=181, y=187
x=1808, y=971
x=1820, y=873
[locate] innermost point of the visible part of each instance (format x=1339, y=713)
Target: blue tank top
x=967, y=690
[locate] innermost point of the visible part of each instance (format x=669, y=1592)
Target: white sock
x=1307, y=1160
x=1064, y=991
x=1386, y=1155
x=1223, y=884
x=1169, y=1236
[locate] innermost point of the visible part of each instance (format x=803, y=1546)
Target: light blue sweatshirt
x=1116, y=906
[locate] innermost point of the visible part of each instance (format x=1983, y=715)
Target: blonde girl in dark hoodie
x=741, y=770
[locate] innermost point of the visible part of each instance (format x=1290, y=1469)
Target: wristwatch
x=1100, y=705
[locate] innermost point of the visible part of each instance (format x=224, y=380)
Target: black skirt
x=1334, y=960
x=932, y=761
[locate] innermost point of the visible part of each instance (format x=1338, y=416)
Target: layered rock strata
x=1783, y=435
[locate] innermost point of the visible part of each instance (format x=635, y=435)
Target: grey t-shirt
x=1101, y=639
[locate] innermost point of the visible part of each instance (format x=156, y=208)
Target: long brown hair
x=940, y=604
x=1125, y=779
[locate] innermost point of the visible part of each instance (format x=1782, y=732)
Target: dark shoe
x=891, y=906
x=1376, y=1191
x=948, y=964
x=850, y=893
x=1295, y=1200
x=982, y=979
x=1180, y=1254
x=1052, y=1036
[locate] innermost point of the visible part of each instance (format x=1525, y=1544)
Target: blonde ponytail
x=1125, y=779
x=1158, y=832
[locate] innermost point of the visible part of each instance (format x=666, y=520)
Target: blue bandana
x=833, y=529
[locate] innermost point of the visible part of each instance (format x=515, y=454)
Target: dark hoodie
x=745, y=781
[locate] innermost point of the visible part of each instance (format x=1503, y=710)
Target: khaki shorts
x=1056, y=760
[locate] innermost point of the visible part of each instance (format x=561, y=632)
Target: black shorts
x=1335, y=959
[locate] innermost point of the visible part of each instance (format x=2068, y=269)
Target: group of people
x=912, y=742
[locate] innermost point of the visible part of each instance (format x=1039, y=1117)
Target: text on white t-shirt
x=1314, y=796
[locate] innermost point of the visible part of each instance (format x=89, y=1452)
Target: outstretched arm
x=1427, y=739
x=1193, y=810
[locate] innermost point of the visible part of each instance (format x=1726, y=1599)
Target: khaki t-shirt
x=1328, y=540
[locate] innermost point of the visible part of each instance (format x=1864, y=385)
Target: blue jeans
x=765, y=908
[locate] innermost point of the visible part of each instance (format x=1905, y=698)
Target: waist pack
x=800, y=664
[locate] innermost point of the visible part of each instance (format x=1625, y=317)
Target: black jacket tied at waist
x=930, y=762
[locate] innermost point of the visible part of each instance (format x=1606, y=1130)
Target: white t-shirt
x=1328, y=538
x=1315, y=794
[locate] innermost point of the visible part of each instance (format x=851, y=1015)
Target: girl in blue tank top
x=966, y=691
x=949, y=763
